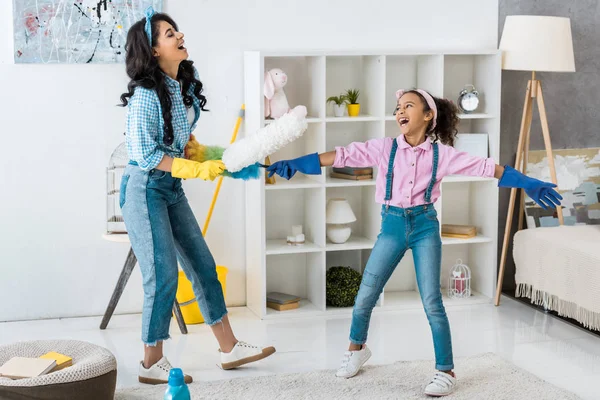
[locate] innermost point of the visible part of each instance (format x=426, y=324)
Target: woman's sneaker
x=158, y=373
x=442, y=384
x=244, y=353
x=352, y=361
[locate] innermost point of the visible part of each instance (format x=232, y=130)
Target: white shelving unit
x=271, y=210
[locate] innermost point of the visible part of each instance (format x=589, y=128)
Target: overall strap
x=433, y=174
x=390, y=172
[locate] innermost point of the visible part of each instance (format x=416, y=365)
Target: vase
x=353, y=110
x=338, y=110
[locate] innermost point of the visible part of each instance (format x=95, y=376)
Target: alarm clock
x=468, y=99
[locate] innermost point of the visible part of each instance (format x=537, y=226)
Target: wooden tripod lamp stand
x=533, y=43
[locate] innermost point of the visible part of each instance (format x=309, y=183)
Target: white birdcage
x=114, y=173
x=459, y=282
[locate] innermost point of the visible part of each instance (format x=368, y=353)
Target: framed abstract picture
x=578, y=175
x=74, y=31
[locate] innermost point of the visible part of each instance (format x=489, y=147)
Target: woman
x=164, y=101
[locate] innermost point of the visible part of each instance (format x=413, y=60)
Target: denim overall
x=415, y=228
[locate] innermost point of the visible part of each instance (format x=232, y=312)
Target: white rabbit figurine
x=276, y=103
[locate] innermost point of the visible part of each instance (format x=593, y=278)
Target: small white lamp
x=339, y=216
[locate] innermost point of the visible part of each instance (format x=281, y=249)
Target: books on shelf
x=282, y=301
x=351, y=173
x=459, y=231
x=283, y=307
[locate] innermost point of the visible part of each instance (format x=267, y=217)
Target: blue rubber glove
x=541, y=192
x=308, y=164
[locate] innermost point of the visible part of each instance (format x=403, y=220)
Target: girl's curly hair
x=447, y=120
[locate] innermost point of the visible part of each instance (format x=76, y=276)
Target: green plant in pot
x=339, y=104
x=353, y=104
x=342, y=284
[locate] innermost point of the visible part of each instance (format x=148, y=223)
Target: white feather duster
x=266, y=141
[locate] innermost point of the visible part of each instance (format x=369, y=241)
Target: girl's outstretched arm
x=498, y=171
x=327, y=159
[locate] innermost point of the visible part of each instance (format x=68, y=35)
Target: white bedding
x=559, y=268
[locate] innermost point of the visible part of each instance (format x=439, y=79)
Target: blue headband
x=148, y=28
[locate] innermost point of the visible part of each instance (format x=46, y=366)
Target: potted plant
x=352, y=100
x=339, y=104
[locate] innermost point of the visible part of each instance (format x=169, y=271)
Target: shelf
x=461, y=179
x=305, y=309
x=360, y=118
x=446, y=241
x=335, y=182
x=354, y=243
x=475, y=116
x=298, y=181
x=271, y=210
x=392, y=301
x=412, y=299
x=309, y=119
x=280, y=246
x=116, y=237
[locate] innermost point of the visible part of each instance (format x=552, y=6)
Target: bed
x=559, y=268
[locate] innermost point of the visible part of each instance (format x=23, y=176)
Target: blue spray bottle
x=177, y=389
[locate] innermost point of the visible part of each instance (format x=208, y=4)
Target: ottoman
x=93, y=375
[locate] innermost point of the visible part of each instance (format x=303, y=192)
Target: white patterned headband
x=148, y=27
x=428, y=99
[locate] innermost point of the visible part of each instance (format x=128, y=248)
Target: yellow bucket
x=187, y=300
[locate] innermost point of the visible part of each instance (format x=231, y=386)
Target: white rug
x=480, y=377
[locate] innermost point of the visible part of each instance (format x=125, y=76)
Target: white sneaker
x=244, y=353
x=442, y=384
x=352, y=361
x=158, y=373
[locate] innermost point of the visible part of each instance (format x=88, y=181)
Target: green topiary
x=342, y=286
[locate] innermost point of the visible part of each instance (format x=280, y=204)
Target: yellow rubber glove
x=207, y=170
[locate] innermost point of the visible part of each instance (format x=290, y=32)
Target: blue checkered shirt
x=145, y=125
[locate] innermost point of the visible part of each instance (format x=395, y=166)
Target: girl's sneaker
x=352, y=361
x=442, y=384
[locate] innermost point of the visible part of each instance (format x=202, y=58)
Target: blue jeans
x=163, y=230
x=415, y=228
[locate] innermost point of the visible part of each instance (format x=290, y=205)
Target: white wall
x=59, y=124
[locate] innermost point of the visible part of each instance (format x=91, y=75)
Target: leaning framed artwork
x=578, y=175
x=75, y=31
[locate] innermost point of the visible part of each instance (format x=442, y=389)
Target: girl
x=411, y=167
x=164, y=101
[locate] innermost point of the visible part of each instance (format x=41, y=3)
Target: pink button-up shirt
x=413, y=167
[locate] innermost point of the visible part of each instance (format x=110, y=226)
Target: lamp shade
x=339, y=212
x=537, y=43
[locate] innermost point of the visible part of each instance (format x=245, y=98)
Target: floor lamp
x=533, y=43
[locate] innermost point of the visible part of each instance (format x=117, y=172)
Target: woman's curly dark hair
x=447, y=120
x=143, y=70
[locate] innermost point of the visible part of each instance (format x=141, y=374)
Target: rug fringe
x=564, y=308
